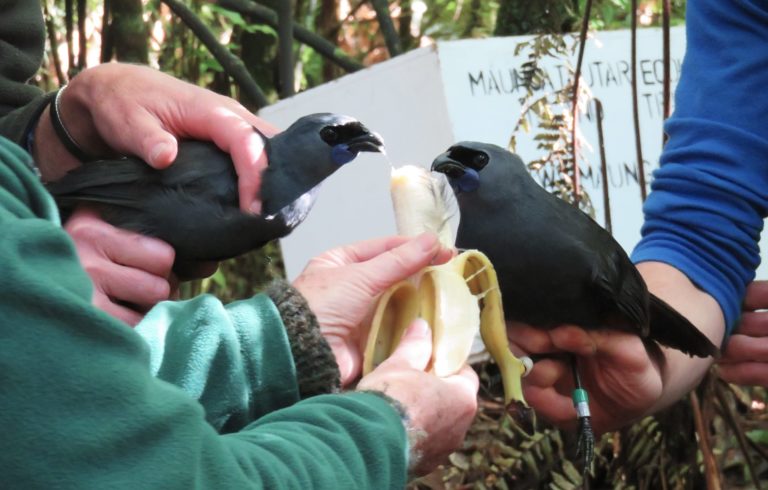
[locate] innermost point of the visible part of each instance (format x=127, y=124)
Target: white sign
x=426, y=100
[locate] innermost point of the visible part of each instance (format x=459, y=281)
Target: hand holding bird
x=126, y=109
x=194, y=204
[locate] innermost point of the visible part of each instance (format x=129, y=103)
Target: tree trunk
x=285, y=47
x=258, y=53
x=128, y=33
x=475, y=18
x=406, y=39
x=387, y=27
x=518, y=17
x=327, y=26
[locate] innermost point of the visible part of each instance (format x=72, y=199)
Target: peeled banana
x=457, y=299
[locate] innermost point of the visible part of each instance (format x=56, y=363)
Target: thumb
x=415, y=348
x=160, y=149
x=146, y=138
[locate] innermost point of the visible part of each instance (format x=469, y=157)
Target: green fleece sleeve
x=234, y=359
x=81, y=409
x=22, y=40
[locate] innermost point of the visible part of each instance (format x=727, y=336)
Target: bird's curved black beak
x=446, y=165
x=369, y=141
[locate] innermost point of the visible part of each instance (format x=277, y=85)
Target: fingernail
x=157, y=152
x=427, y=241
x=153, y=247
x=255, y=207
x=421, y=327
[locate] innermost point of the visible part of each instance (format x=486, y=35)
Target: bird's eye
x=479, y=161
x=329, y=135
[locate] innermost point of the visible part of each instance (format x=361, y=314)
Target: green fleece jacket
x=80, y=407
x=22, y=40
x=199, y=358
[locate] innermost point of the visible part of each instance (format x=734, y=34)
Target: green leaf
x=760, y=436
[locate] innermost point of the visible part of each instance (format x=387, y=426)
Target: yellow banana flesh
x=456, y=298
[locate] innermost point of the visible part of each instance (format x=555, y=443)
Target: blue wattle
x=341, y=154
x=469, y=181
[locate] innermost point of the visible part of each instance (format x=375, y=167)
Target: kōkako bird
x=555, y=264
x=193, y=204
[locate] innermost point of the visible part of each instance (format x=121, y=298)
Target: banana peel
x=457, y=298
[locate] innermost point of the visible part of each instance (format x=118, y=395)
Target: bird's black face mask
x=347, y=140
x=462, y=166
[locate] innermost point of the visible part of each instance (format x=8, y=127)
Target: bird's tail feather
x=672, y=329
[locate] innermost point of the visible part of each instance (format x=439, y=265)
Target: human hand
x=130, y=272
x=439, y=410
x=745, y=359
x=342, y=284
x=622, y=381
x=136, y=110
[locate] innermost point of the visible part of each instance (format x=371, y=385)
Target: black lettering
x=599, y=72
x=658, y=71
x=477, y=81
x=646, y=70
x=546, y=80
x=648, y=100
x=591, y=81
x=513, y=79
x=493, y=84
x=676, y=65
x=504, y=88
x=615, y=178
x=624, y=70
x=631, y=172
x=590, y=175
x=610, y=77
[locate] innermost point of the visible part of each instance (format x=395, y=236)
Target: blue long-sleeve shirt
x=709, y=197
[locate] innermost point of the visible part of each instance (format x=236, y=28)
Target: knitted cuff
x=316, y=369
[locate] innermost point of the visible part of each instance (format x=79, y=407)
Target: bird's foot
x=585, y=446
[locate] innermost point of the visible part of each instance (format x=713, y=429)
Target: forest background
x=260, y=52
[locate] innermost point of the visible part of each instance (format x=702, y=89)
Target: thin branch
x=231, y=64
x=267, y=16
x=603, y=166
x=106, y=33
x=285, y=47
x=350, y=15
x=730, y=419
x=82, y=50
x=575, y=102
x=666, y=15
x=635, y=108
x=710, y=465
x=51, y=31
x=387, y=27
x=69, y=12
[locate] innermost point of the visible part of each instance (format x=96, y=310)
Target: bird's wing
x=296, y=212
x=197, y=164
x=107, y=181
